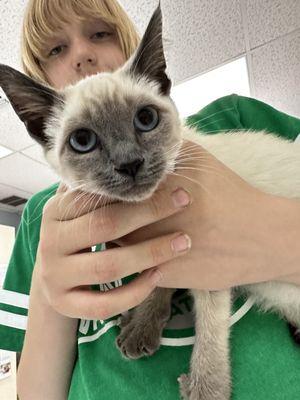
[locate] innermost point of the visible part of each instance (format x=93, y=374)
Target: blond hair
x=44, y=17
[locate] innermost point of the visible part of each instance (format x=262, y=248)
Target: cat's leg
x=283, y=298
x=141, y=329
x=209, y=377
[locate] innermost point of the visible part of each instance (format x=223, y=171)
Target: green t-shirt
x=265, y=360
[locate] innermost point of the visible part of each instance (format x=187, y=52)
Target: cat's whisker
x=209, y=116
x=79, y=195
x=192, y=153
x=194, y=156
x=89, y=198
x=188, y=150
x=27, y=223
x=193, y=180
x=73, y=202
x=49, y=194
x=205, y=170
x=103, y=207
x=173, y=148
x=91, y=214
x=204, y=161
x=198, y=161
x=100, y=198
x=192, y=147
x=212, y=122
x=226, y=130
x=70, y=205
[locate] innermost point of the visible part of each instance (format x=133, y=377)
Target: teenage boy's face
x=80, y=50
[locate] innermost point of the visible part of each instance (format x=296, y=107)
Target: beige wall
x=7, y=238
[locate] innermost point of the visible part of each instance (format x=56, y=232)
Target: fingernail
x=181, y=243
x=181, y=198
x=155, y=276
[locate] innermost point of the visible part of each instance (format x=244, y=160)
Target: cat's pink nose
x=131, y=168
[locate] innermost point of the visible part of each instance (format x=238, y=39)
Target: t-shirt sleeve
x=14, y=297
x=257, y=115
x=221, y=115
x=241, y=113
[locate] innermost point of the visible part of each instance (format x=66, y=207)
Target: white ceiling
x=202, y=35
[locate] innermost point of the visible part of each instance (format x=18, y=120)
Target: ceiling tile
x=276, y=73
x=25, y=174
x=199, y=35
x=269, y=19
x=36, y=153
x=13, y=133
x=7, y=191
x=10, y=30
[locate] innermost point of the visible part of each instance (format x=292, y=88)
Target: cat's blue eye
x=83, y=141
x=146, y=119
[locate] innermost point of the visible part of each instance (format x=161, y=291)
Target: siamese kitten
x=120, y=133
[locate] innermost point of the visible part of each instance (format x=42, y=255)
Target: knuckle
x=106, y=224
x=104, y=270
x=138, y=296
x=155, y=207
x=156, y=252
x=100, y=311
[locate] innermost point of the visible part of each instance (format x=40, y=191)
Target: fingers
x=69, y=203
x=95, y=305
x=111, y=265
x=119, y=219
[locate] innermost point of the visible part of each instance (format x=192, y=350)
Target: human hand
x=65, y=270
x=233, y=226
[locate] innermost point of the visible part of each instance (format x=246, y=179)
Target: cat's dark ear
x=149, y=59
x=31, y=101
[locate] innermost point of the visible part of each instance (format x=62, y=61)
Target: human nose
x=84, y=57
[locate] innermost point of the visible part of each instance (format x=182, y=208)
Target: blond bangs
x=45, y=17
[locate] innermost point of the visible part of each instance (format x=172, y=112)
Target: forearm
x=48, y=353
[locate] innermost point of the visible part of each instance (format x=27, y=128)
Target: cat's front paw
x=138, y=338
x=195, y=389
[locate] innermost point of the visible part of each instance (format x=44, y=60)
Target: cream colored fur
x=271, y=164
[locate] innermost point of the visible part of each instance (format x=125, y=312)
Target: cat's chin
x=137, y=193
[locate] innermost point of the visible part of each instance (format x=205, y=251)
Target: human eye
x=55, y=51
x=99, y=35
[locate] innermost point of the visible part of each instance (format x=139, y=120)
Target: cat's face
x=116, y=134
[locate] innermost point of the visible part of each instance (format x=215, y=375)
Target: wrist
x=36, y=289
